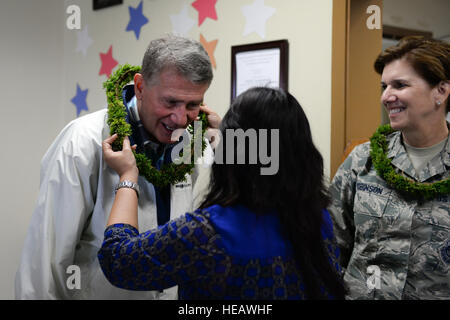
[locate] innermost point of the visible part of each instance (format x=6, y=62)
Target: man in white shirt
x=59, y=259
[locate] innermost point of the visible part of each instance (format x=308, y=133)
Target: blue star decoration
x=137, y=19
x=80, y=100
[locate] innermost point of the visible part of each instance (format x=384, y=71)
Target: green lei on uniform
x=384, y=168
x=169, y=173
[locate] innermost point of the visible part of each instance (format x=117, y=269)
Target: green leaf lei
x=401, y=183
x=169, y=173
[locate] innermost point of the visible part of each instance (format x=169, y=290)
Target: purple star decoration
x=80, y=100
x=137, y=19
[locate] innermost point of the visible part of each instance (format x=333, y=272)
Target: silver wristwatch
x=128, y=184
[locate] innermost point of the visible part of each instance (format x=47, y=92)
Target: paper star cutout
x=256, y=16
x=181, y=22
x=206, y=9
x=80, y=100
x=137, y=19
x=108, y=62
x=210, y=47
x=83, y=41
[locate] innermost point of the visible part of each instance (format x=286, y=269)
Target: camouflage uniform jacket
x=405, y=244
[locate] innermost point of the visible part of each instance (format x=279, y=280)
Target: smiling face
x=409, y=100
x=171, y=102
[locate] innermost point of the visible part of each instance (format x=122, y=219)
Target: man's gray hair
x=186, y=56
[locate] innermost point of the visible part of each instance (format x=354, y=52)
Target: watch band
x=128, y=184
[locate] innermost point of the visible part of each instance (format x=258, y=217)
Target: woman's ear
x=442, y=91
x=444, y=88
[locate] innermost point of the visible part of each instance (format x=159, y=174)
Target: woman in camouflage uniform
x=395, y=242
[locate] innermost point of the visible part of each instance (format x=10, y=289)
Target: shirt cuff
x=121, y=229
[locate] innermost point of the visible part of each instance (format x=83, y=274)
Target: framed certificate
x=259, y=64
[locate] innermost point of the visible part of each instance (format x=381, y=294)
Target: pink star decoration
x=108, y=62
x=206, y=9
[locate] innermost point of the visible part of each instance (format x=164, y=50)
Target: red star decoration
x=108, y=63
x=210, y=47
x=206, y=9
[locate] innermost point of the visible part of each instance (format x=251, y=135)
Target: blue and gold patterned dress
x=214, y=253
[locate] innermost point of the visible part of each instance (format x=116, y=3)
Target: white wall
x=31, y=38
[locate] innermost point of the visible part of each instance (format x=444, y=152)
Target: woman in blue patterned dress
x=255, y=236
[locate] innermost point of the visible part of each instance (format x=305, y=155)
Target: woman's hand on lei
x=123, y=161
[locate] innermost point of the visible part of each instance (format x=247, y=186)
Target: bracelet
x=128, y=184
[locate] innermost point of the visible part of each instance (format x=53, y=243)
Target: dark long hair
x=296, y=192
